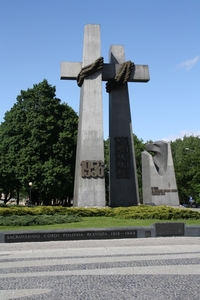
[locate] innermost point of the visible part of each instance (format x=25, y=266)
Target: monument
x=158, y=176
x=123, y=174
x=89, y=189
x=89, y=186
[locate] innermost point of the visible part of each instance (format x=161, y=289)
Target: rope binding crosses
x=121, y=77
x=89, y=70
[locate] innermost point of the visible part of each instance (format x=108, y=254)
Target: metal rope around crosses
x=89, y=70
x=121, y=77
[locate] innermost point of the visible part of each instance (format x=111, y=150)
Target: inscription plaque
x=70, y=235
x=169, y=229
x=122, y=158
x=155, y=191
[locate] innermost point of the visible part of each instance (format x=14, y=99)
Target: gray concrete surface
x=158, y=176
x=90, y=143
x=145, y=269
x=123, y=185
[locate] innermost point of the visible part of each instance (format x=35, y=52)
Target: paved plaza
x=146, y=269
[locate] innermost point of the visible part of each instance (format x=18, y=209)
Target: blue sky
x=36, y=35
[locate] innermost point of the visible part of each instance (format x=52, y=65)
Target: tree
x=186, y=157
x=38, y=144
x=139, y=147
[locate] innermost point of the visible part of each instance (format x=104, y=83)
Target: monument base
x=156, y=230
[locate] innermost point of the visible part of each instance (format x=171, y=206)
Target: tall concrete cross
x=123, y=174
x=89, y=188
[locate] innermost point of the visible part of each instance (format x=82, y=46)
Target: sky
x=36, y=35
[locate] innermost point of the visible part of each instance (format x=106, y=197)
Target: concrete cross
x=123, y=187
x=89, y=185
x=90, y=133
x=70, y=70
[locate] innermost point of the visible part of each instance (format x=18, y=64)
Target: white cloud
x=181, y=135
x=188, y=64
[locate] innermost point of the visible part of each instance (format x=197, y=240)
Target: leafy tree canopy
x=38, y=145
x=186, y=157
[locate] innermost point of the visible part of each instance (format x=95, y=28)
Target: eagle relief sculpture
x=160, y=151
x=158, y=176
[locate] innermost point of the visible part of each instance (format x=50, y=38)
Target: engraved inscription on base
x=155, y=191
x=122, y=158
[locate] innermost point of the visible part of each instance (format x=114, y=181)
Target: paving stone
x=145, y=269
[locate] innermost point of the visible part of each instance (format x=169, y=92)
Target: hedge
x=133, y=212
x=28, y=220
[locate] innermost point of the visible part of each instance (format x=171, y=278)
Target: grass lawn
x=99, y=222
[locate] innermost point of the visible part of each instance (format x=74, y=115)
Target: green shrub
x=134, y=212
x=29, y=220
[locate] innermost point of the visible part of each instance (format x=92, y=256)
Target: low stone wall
x=156, y=230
